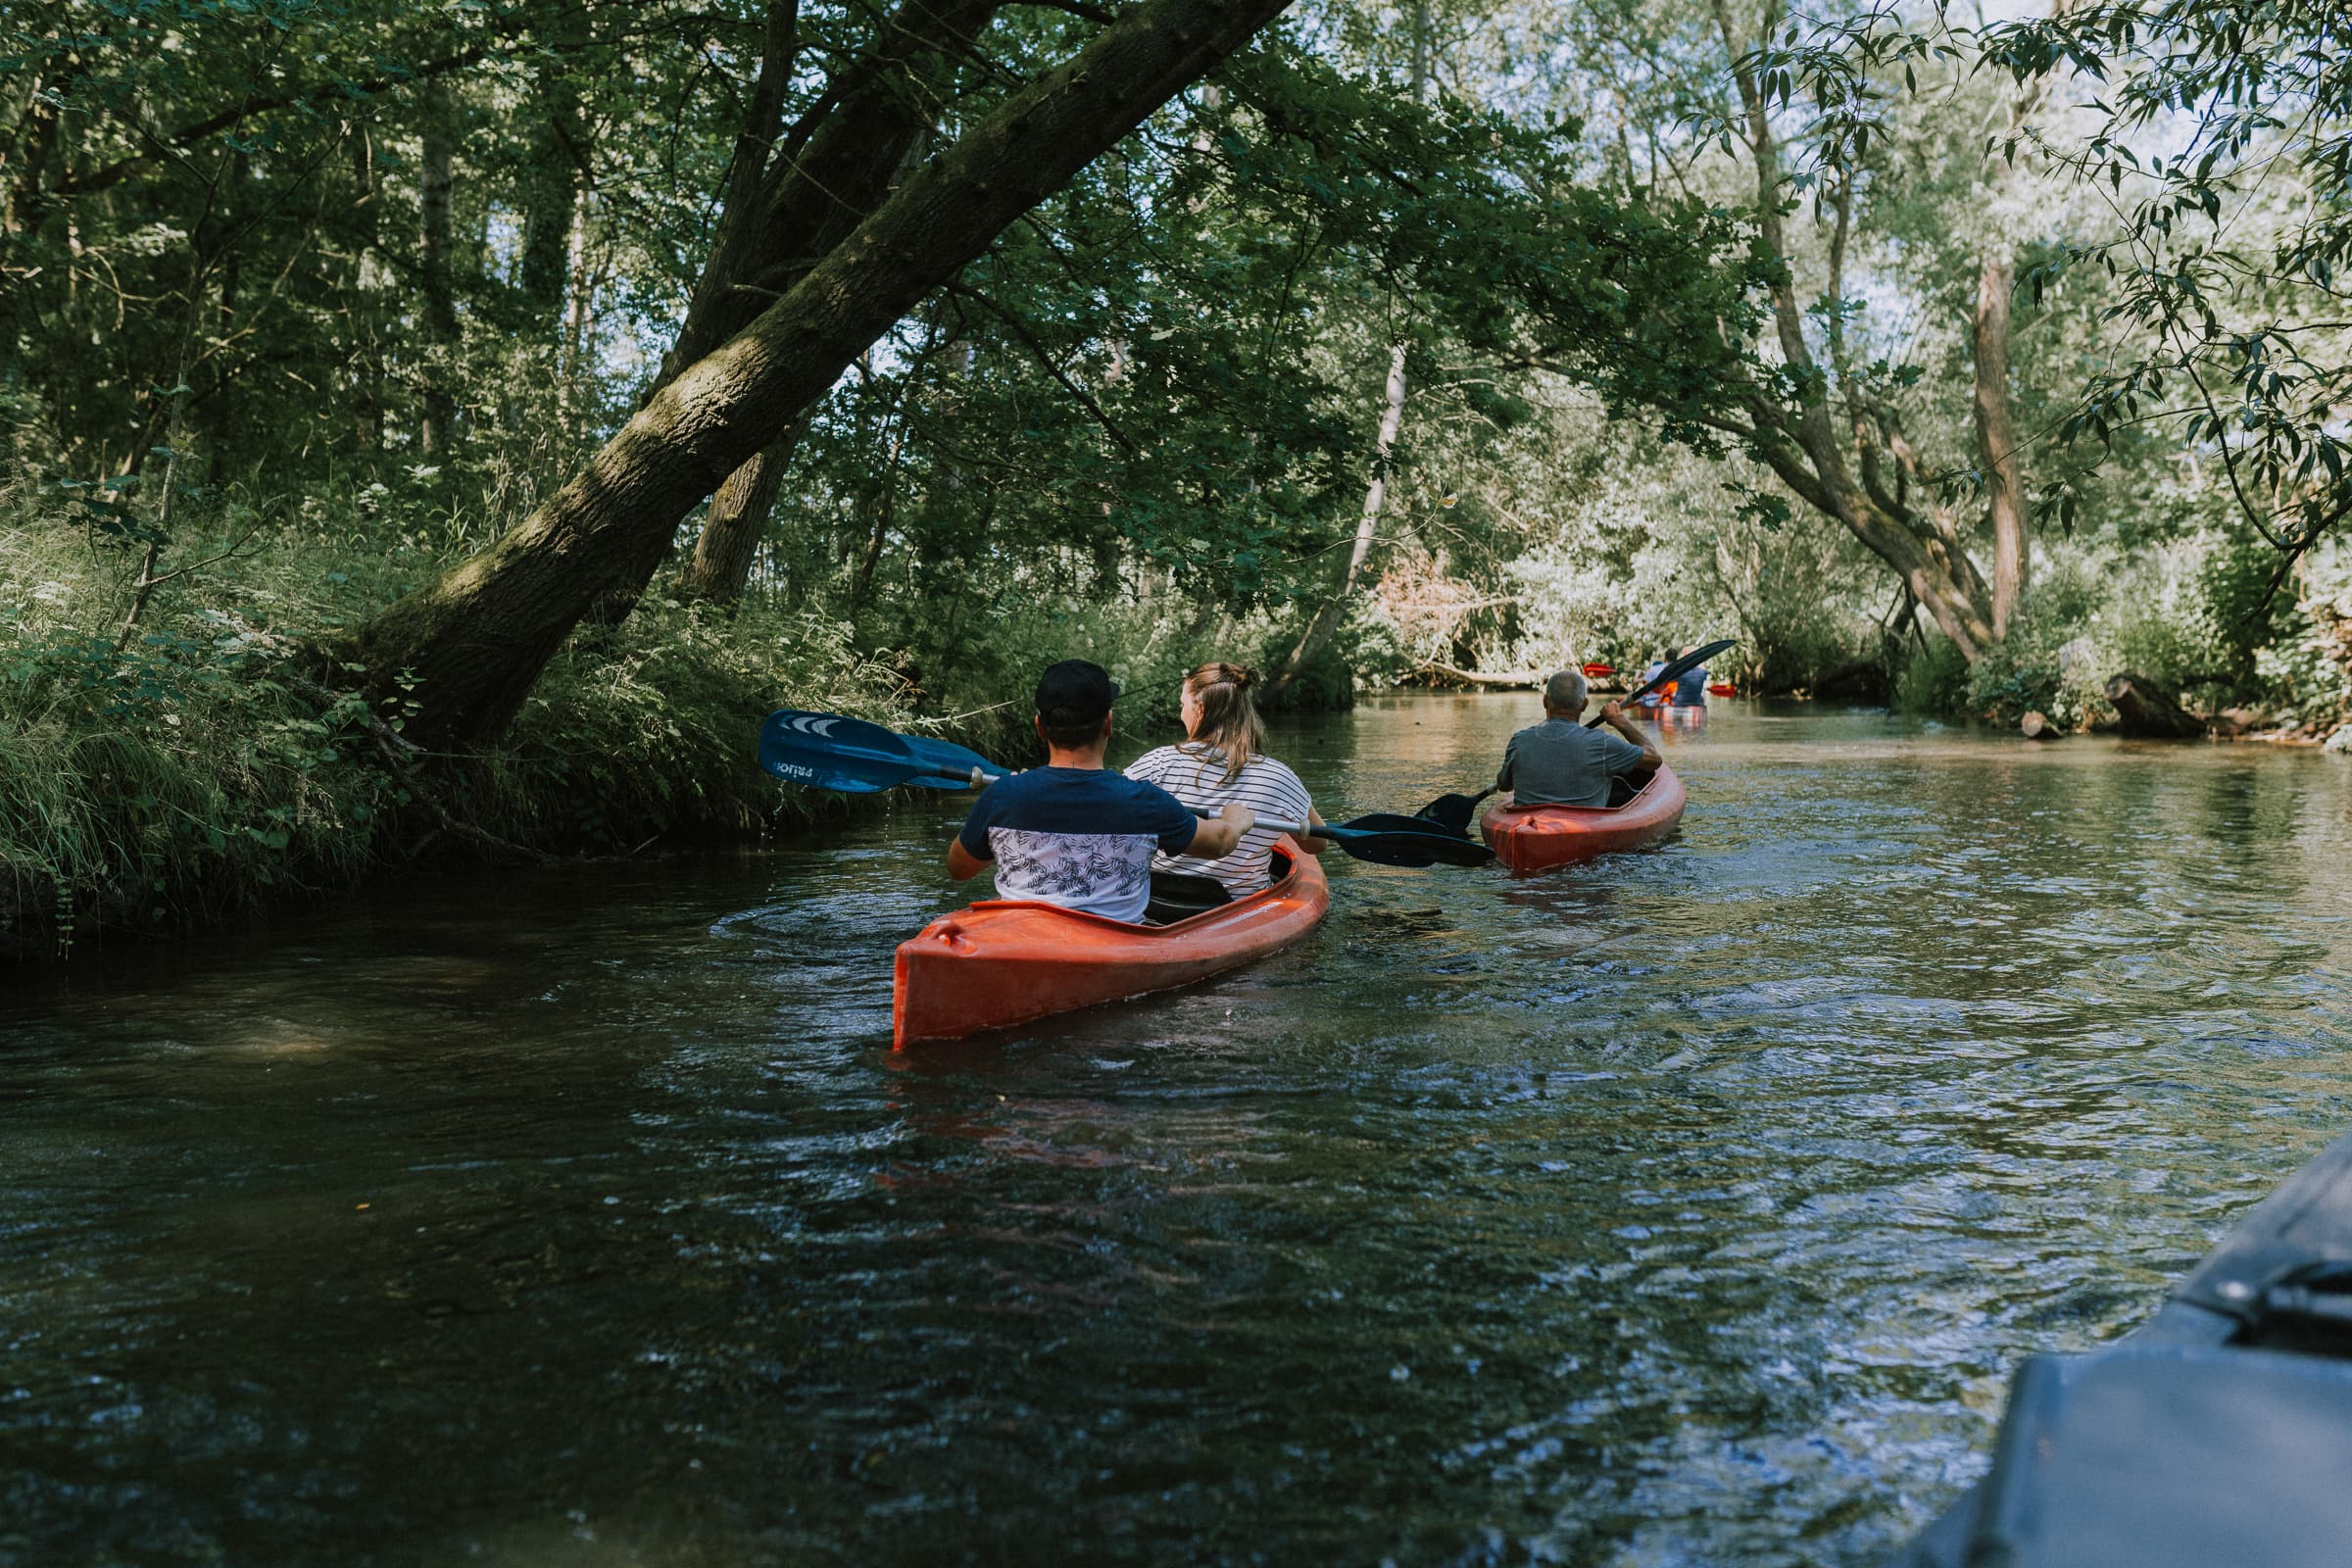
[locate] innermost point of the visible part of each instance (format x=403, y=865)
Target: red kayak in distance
x=1005, y=961
x=1534, y=838
x=1721, y=688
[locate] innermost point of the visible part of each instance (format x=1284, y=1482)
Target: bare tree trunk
x=739, y=513
x=219, y=407
x=475, y=642
x=433, y=248
x=367, y=368
x=1328, y=614
x=1996, y=438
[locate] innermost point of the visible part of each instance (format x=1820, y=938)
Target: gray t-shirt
x=1560, y=763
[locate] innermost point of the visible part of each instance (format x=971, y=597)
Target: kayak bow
x=1003, y=961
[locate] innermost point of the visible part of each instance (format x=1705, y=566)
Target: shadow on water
x=1687, y=1207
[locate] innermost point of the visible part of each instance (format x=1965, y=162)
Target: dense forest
x=447, y=430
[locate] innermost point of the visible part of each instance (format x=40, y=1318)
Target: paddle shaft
x=981, y=779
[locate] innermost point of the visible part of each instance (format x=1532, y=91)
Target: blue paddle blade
x=1453, y=813
x=830, y=751
x=945, y=761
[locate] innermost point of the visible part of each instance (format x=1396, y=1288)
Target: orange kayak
x=1006, y=961
x=1530, y=839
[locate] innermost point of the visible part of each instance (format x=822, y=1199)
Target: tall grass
x=199, y=766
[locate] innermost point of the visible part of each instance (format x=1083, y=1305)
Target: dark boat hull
x=2219, y=1432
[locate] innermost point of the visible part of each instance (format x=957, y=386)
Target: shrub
x=1933, y=679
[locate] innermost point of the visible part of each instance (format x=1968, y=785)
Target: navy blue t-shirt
x=1080, y=837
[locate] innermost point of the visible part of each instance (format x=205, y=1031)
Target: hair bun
x=1243, y=676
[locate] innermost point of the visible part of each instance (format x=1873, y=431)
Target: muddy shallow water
x=1690, y=1208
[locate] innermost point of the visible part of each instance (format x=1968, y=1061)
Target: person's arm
x=970, y=851
x=1219, y=836
x=1510, y=755
x=1614, y=716
x=1313, y=845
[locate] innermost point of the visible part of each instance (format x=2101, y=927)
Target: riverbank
x=203, y=766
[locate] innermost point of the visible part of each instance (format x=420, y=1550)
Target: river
x=1690, y=1208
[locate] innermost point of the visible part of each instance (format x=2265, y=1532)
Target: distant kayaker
x=1560, y=763
x=1657, y=667
x=1223, y=760
x=1691, y=690
x=1074, y=832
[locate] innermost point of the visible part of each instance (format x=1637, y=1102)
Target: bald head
x=1564, y=693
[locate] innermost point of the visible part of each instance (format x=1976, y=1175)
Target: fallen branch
x=1525, y=680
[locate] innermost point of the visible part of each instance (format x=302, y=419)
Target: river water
x=1690, y=1208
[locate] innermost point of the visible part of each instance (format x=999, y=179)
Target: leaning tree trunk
x=778, y=220
x=2147, y=713
x=1333, y=610
x=1328, y=614
x=470, y=647
x=1802, y=444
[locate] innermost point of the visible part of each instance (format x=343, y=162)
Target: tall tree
x=791, y=196
x=435, y=242
x=1325, y=622
x=472, y=646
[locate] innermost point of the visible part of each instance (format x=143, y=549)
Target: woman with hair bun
x=1222, y=761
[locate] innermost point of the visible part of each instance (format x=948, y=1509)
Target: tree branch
x=1038, y=351
x=163, y=145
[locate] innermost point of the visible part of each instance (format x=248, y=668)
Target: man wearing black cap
x=1074, y=832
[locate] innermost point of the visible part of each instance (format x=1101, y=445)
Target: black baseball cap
x=1075, y=692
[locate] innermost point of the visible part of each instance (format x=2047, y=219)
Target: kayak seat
x=1625, y=786
x=1176, y=897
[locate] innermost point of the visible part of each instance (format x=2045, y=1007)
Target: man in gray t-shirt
x=1560, y=763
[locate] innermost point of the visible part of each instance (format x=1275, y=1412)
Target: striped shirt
x=1196, y=775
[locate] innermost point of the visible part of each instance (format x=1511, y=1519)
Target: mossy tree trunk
x=1839, y=451
x=730, y=542
x=793, y=194
x=472, y=646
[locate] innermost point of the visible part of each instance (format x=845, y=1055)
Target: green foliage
x=1933, y=679
x=1139, y=428
x=203, y=767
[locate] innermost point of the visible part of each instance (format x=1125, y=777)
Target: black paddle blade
x=1455, y=812
x=1396, y=822
x=1671, y=673
x=1417, y=849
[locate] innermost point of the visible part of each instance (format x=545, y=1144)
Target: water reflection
x=1690, y=1208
